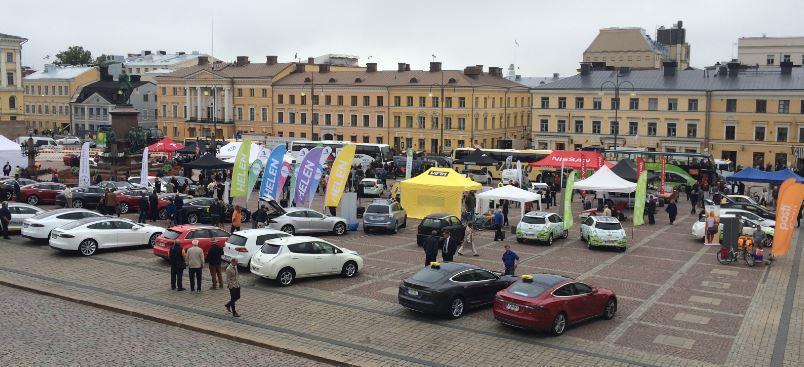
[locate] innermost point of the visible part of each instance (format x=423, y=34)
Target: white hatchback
x=38, y=227
x=541, y=226
x=242, y=245
x=603, y=231
x=285, y=259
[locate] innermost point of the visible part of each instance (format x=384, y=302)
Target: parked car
x=41, y=192
x=756, y=209
x=746, y=214
x=479, y=175
x=117, y=185
x=185, y=234
x=38, y=227
x=242, y=245
x=749, y=226
x=451, y=288
x=73, y=160
x=287, y=258
x=303, y=220
x=384, y=214
x=7, y=186
x=541, y=226
x=88, y=235
x=602, y=231
x=68, y=140
x=129, y=200
x=372, y=187
x=440, y=222
x=551, y=302
x=742, y=199
x=19, y=213
x=135, y=180
x=196, y=210
x=83, y=197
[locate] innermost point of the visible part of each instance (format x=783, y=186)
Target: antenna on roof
x=212, y=41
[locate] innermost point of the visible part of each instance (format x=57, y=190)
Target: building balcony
x=194, y=120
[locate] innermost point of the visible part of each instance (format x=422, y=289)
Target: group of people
x=193, y=260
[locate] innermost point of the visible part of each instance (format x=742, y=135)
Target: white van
x=724, y=167
x=38, y=140
x=509, y=176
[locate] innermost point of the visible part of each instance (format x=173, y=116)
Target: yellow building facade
x=11, y=96
x=48, y=93
x=747, y=117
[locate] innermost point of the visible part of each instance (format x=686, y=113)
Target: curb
x=165, y=321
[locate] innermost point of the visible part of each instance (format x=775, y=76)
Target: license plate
x=413, y=292
x=226, y=257
x=512, y=307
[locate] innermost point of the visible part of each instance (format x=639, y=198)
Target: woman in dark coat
x=672, y=211
x=153, y=204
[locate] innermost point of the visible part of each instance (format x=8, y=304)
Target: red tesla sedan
x=185, y=234
x=41, y=192
x=551, y=302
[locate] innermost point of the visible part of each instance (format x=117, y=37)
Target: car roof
x=537, y=213
x=83, y=221
x=605, y=219
x=291, y=240
x=25, y=205
x=257, y=232
x=53, y=212
x=295, y=209
x=550, y=280
x=453, y=267
x=438, y=216
x=190, y=227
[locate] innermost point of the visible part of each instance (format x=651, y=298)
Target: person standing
x=498, y=221
x=430, y=245
x=111, y=203
x=177, y=265
x=448, y=246
x=157, y=185
x=505, y=212
x=215, y=212
x=7, y=169
x=694, y=196
x=5, y=218
x=607, y=211
x=672, y=211
x=16, y=185
x=468, y=241
x=68, y=197
x=195, y=265
x=153, y=205
x=237, y=219
x=261, y=215
x=650, y=209
x=234, y=287
x=214, y=259
x=711, y=227
x=144, y=209
x=179, y=213
x=510, y=260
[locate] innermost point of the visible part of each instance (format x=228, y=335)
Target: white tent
x=12, y=153
x=605, y=180
x=511, y=193
x=228, y=152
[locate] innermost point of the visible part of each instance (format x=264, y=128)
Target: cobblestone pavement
x=678, y=306
x=38, y=330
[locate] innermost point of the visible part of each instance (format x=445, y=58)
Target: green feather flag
x=568, y=200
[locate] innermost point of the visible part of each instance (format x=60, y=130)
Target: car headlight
x=66, y=235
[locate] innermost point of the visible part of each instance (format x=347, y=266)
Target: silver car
x=303, y=220
x=384, y=214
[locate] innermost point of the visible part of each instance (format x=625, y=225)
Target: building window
x=409, y=122
x=578, y=103
x=761, y=106
x=562, y=103
x=731, y=105
x=328, y=119
x=10, y=78
x=353, y=122
x=380, y=101
x=280, y=117
x=175, y=109
x=461, y=102
x=12, y=103
x=784, y=106
x=340, y=100
x=303, y=118
x=353, y=100
x=692, y=130
x=615, y=103
x=692, y=104
x=164, y=110
x=595, y=127
x=435, y=123
x=653, y=104
x=239, y=113
x=421, y=122
x=340, y=119
x=292, y=99
x=303, y=99
x=652, y=128
x=633, y=104
x=327, y=100
x=633, y=128
x=769, y=60
x=447, y=102
x=543, y=125
x=672, y=104
x=614, y=127
x=239, y=92
x=366, y=100
x=561, y=126
x=397, y=101
x=671, y=129
x=280, y=99
x=730, y=133
x=251, y=92
x=786, y=58
x=447, y=123
x=545, y=102
x=365, y=120
x=781, y=133
x=759, y=133
x=251, y=113
x=435, y=101
x=397, y=122
x=9, y=57
x=461, y=123
x=579, y=126
x=597, y=103
x=409, y=101
x=801, y=134
x=315, y=99
x=292, y=118
x=264, y=114
x=264, y=93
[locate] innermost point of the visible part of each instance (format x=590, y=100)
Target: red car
x=41, y=192
x=551, y=302
x=185, y=234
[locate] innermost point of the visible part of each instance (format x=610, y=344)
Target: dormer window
x=414, y=80
x=358, y=80
x=332, y=80
x=307, y=80
x=452, y=81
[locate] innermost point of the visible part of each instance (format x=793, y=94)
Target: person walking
x=157, y=185
x=144, y=209
x=510, y=260
x=153, y=205
x=498, y=221
x=7, y=169
x=215, y=212
x=430, y=245
x=237, y=219
x=5, y=218
x=694, y=196
x=68, y=197
x=468, y=241
x=448, y=246
x=711, y=227
x=234, y=287
x=650, y=209
x=110, y=202
x=177, y=265
x=672, y=211
x=195, y=265
x=214, y=255
x=505, y=212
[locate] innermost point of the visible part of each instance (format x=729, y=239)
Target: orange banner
x=789, y=202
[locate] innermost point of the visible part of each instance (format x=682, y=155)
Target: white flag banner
x=519, y=179
x=83, y=169
x=144, y=168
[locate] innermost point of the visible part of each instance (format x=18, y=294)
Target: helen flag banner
x=339, y=174
x=568, y=200
x=305, y=176
x=83, y=169
x=240, y=174
x=144, y=168
x=641, y=192
x=790, y=196
x=253, y=175
x=273, y=166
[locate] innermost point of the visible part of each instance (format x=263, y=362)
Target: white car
x=541, y=226
x=242, y=245
x=68, y=140
x=602, y=231
x=285, y=259
x=90, y=234
x=479, y=176
x=746, y=214
x=372, y=187
x=38, y=227
x=135, y=180
x=749, y=226
x=742, y=199
x=19, y=213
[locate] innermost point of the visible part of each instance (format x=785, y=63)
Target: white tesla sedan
x=90, y=234
x=21, y=212
x=285, y=259
x=303, y=220
x=242, y=245
x=38, y=227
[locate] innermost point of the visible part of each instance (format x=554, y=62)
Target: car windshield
x=270, y=249
x=533, y=220
x=431, y=223
x=377, y=209
x=73, y=224
x=530, y=289
x=429, y=275
x=237, y=240
x=171, y=234
x=608, y=226
x=367, y=183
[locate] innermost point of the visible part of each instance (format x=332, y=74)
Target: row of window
x=622, y=58
x=47, y=90
x=771, y=59
x=46, y=109
x=9, y=56
x=672, y=104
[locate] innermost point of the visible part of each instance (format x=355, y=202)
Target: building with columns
x=91, y=106
x=48, y=94
x=11, y=92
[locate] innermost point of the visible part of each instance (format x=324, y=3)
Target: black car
x=116, y=185
x=451, y=288
x=756, y=209
x=7, y=186
x=197, y=211
x=83, y=197
x=440, y=222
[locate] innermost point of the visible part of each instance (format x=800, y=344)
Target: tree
x=74, y=55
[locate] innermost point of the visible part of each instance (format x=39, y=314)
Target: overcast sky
x=552, y=35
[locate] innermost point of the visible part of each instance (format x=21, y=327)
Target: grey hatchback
x=384, y=214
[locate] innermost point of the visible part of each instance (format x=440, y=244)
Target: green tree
x=100, y=60
x=74, y=55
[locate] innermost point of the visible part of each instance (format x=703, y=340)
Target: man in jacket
x=195, y=263
x=498, y=222
x=110, y=201
x=650, y=210
x=179, y=202
x=430, y=246
x=237, y=219
x=153, y=205
x=5, y=218
x=177, y=265
x=143, y=217
x=448, y=247
x=214, y=259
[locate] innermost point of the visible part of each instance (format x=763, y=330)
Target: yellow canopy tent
x=438, y=190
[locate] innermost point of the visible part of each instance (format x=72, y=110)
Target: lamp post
x=616, y=84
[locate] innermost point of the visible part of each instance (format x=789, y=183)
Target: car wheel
x=550, y=240
x=339, y=228
x=565, y=234
x=285, y=277
x=349, y=269
x=456, y=307
x=88, y=247
x=78, y=203
x=245, y=215
x=162, y=213
x=33, y=200
x=405, y=222
x=559, y=324
x=611, y=309
x=192, y=218
x=152, y=239
x=287, y=228
x=8, y=195
x=395, y=228
x=123, y=208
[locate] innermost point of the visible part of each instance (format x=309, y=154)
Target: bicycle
x=745, y=251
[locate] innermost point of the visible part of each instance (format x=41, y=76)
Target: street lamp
x=616, y=84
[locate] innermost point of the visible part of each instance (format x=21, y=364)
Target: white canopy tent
x=11, y=152
x=605, y=180
x=508, y=192
x=228, y=152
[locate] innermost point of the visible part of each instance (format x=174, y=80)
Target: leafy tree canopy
x=74, y=55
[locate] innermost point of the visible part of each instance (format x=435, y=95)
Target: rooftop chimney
x=311, y=60
x=161, y=52
x=473, y=71
x=495, y=71
x=181, y=53
x=722, y=71
x=242, y=61
x=555, y=75
x=400, y=67
x=271, y=60
x=435, y=66
x=586, y=68
x=669, y=68
x=786, y=67
x=324, y=68
x=734, y=69
x=299, y=68
x=145, y=53
x=407, y=67
x=598, y=65
x=203, y=60
x=371, y=67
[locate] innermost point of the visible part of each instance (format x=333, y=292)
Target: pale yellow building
x=11, y=96
x=751, y=118
x=632, y=47
x=48, y=93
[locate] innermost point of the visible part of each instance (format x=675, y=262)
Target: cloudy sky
x=551, y=34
